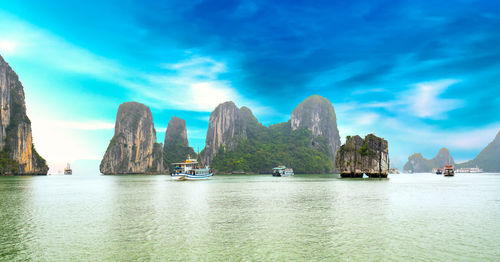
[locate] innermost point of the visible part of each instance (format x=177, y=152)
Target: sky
x=421, y=74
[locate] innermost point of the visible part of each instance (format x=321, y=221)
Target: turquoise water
x=422, y=217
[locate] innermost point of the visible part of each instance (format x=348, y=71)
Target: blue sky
x=422, y=74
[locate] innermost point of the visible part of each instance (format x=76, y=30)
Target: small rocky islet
x=358, y=156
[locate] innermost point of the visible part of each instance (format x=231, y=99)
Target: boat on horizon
x=282, y=170
x=437, y=171
x=469, y=170
x=448, y=170
x=394, y=170
x=190, y=170
x=68, y=170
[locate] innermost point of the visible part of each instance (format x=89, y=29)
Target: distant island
x=487, y=159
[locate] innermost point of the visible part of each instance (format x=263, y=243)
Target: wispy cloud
x=425, y=101
x=192, y=84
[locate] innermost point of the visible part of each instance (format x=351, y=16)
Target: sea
x=407, y=217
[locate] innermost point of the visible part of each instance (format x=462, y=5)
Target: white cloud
x=366, y=119
x=424, y=100
x=191, y=84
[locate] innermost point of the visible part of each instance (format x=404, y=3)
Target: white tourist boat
x=469, y=170
x=190, y=170
x=68, y=170
x=282, y=171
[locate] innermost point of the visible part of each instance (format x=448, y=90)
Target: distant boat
x=68, y=170
x=469, y=170
x=438, y=171
x=394, y=171
x=448, y=170
x=282, y=171
x=190, y=170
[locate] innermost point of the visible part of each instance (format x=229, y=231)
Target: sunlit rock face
x=176, y=145
x=227, y=126
x=133, y=148
x=18, y=155
x=369, y=156
x=317, y=114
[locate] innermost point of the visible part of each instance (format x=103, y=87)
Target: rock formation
x=307, y=142
x=133, y=148
x=359, y=156
x=17, y=151
x=316, y=113
x=176, y=145
x=418, y=164
x=227, y=126
x=488, y=159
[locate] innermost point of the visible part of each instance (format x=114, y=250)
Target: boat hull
x=191, y=177
x=198, y=177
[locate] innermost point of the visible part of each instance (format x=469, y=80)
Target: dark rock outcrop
x=227, y=126
x=17, y=151
x=369, y=156
x=317, y=114
x=176, y=145
x=418, y=164
x=488, y=159
x=133, y=148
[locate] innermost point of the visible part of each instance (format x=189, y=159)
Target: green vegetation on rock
x=266, y=147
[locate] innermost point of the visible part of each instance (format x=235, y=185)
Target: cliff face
x=316, y=113
x=176, y=145
x=418, y=164
x=17, y=152
x=227, y=126
x=488, y=158
x=359, y=156
x=307, y=142
x=133, y=148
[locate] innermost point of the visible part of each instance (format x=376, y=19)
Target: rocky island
x=176, y=144
x=418, y=164
x=17, y=151
x=133, y=148
x=369, y=156
x=237, y=142
x=488, y=158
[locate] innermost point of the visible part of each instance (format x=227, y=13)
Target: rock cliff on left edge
x=17, y=152
x=133, y=148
